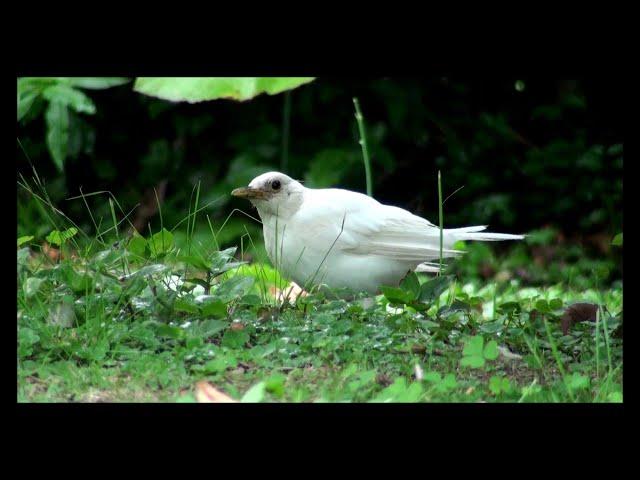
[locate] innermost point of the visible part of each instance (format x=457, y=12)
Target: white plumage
x=340, y=238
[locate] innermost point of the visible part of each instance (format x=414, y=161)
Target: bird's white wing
x=360, y=225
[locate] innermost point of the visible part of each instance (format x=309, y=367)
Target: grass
x=145, y=319
x=89, y=333
x=365, y=149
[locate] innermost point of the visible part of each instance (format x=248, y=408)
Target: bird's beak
x=250, y=193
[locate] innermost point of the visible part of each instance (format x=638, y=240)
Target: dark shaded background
x=530, y=153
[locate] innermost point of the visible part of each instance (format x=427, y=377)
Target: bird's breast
x=310, y=255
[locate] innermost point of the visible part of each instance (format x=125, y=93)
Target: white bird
x=341, y=239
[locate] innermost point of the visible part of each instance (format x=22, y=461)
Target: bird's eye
x=275, y=184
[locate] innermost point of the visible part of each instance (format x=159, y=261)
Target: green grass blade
x=363, y=144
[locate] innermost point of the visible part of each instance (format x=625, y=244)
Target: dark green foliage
x=543, y=154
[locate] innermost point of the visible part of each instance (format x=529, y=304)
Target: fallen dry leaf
x=207, y=393
x=236, y=326
x=578, y=312
x=51, y=252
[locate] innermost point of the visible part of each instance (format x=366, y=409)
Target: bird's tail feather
x=452, y=235
x=476, y=233
x=428, y=267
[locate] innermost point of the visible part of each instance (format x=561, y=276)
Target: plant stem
x=441, y=217
x=363, y=144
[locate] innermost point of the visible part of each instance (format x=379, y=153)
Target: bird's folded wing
x=361, y=226
x=396, y=233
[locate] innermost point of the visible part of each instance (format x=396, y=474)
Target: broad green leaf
x=275, y=384
x=27, y=336
x=262, y=351
x=578, y=382
x=251, y=299
x=433, y=377
x=235, y=287
x=430, y=291
x=617, y=240
x=615, y=397
x=182, y=305
x=491, y=350
x=216, y=309
x=221, y=262
x=555, y=304
x=235, y=338
x=169, y=331
x=413, y=393
x=161, y=242
x=150, y=270
x=393, y=391
x=29, y=89
x=255, y=394
x=492, y=327
x=194, y=261
x=473, y=346
x=396, y=295
x=473, y=362
x=509, y=307
x=449, y=382
x=137, y=245
x=25, y=101
x=23, y=256
x=59, y=238
x=97, y=83
x=26, y=339
x=498, y=384
x=194, y=342
x=200, y=89
x=57, y=120
x=542, y=306
x=220, y=364
x=62, y=315
x=208, y=328
x=411, y=284
x=69, y=97
x=456, y=306
x=80, y=283
x=25, y=239
x=31, y=286
x=186, y=398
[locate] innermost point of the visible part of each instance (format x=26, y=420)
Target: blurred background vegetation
x=533, y=155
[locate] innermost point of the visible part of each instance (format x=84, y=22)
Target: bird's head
x=273, y=193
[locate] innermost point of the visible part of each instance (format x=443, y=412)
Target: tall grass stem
x=363, y=144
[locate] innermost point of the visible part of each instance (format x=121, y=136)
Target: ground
x=170, y=318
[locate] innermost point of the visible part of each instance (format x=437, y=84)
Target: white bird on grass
x=346, y=240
